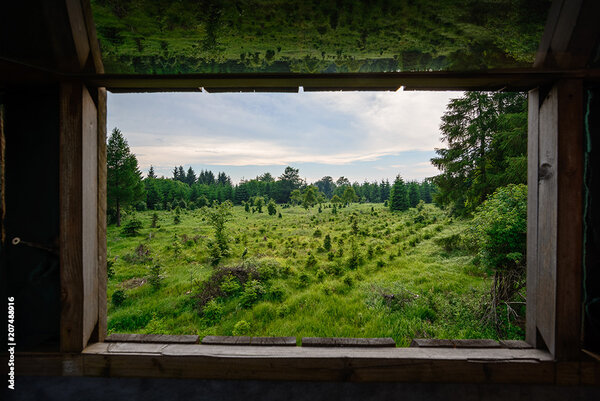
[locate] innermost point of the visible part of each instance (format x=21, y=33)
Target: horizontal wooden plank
x=347, y=342
x=495, y=365
x=243, y=340
x=466, y=343
x=516, y=344
x=153, y=338
x=512, y=79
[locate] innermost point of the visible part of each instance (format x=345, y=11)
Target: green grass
x=405, y=285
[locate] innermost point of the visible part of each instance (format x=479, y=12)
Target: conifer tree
x=124, y=179
x=413, y=193
x=151, y=173
x=398, y=196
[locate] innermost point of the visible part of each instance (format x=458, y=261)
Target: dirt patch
x=133, y=283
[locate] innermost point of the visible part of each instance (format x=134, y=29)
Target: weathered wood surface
x=347, y=342
x=547, y=218
x=515, y=344
x=570, y=35
x=512, y=79
x=495, y=365
x=89, y=211
x=153, y=338
x=466, y=343
x=102, y=275
x=244, y=340
x=569, y=244
x=532, y=213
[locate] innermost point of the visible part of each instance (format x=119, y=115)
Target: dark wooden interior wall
x=591, y=279
x=29, y=274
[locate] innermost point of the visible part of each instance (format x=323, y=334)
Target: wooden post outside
x=555, y=220
x=78, y=239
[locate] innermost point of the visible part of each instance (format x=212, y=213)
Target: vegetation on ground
x=362, y=272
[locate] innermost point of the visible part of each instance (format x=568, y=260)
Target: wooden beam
x=532, y=213
x=101, y=214
x=570, y=35
x=78, y=216
x=518, y=80
x=557, y=284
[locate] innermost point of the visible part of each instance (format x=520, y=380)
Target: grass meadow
x=381, y=274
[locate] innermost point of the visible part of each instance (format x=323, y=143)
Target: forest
x=194, y=253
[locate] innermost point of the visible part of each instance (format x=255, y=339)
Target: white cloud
x=336, y=128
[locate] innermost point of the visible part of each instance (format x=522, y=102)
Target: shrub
x=212, y=311
x=449, y=243
x=253, y=291
x=118, y=297
x=230, y=285
x=311, y=261
x=317, y=233
x=275, y=293
x=110, y=270
x=154, y=223
x=327, y=242
x=132, y=228
x=241, y=328
x=271, y=208
x=499, y=228
x=155, y=278
x=218, y=216
x=304, y=279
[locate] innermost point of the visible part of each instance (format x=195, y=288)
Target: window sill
x=460, y=365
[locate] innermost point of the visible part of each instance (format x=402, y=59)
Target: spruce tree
x=190, y=177
x=151, y=173
x=124, y=179
x=413, y=193
x=398, y=196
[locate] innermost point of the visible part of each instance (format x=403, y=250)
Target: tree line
x=186, y=189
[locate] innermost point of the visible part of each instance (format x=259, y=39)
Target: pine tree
x=413, y=193
x=151, y=173
x=398, y=196
x=190, y=177
x=124, y=179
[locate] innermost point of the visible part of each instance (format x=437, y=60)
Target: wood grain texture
x=511, y=79
x=347, y=342
x=315, y=364
x=78, y=238
x=465, y=343
x=78, y=31
x=569, y=251
x=532, y=213
x=89, y=211
x=547, y=218
x=153, y=338
x=70, y=237
x=243, y=340
x=101, y=224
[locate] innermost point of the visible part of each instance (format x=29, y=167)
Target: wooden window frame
x=555, y=173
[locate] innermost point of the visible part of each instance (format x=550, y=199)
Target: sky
x=359, y=135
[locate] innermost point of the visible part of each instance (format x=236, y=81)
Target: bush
x=110, y=270
x=241, y=328
x=449, y=243
x=317, y=233
x=154, y=223
x=230, y=285
x=155, y=278
x=275, y=293
x=271, y=208
x=253, y=291
x=499, y=228
x=212, y=311
x=132, y=228
x=327, y=242
x=118, y=297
